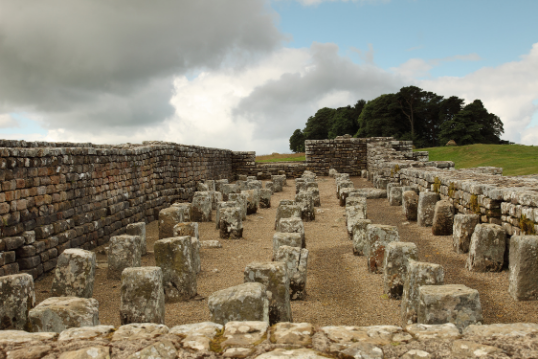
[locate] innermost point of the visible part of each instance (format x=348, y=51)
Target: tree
x=297, y=141
x=409, y=98
x=381, y=117
x=317, y=127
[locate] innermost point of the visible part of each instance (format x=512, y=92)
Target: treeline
x=428, y=119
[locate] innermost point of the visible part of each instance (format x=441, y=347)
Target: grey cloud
x=114, y=61
x=278, y=107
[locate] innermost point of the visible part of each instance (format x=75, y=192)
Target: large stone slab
x=464, y=225
x=418, y=274
x=201, y=207
x=55, y=314
x=343, y=337
x=486, y=253
x=240, y=338
x=522, y=284
x=410, y=205
x=353, y=215
x=426, y=208
x=433, y=331
x=500, y=330
x=168, y=218
x=138, y=229
x=287, y=239
x=17, y=296
x=296, y=334
x=305, y=200
x=372, y=193
x=230, y=223
x=360, y=235
x=191, y=229
x=75, y=274
x=378, y=236
x=139, y=331
x=142, y=296
x=173, y=256
x=397, y=256
x=292, y=225
x=449, y=303
x=185, y=211
x=281, y=353
x=198, y=336
x=241, y=199
x=274, y=276
x=443, y=218
x=286, y=210
x=244, y=302
x=123, y=252
x=296, y=261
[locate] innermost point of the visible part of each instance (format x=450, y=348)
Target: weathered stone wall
x=62, y=195
x=344, y=153
x=244, y=163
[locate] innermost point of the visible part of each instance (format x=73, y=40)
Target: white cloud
x=7, y=121
x=417, y=68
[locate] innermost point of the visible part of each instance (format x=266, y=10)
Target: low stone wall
x=283, y=340
x=344, y=153
x=57, y=197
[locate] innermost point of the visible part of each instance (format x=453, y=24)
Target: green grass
x=287, y=159
x=514, y=159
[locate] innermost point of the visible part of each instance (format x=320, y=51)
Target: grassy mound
x=281, y=157
x=514, y=159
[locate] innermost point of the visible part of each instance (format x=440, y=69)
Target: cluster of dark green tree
x=429, y=120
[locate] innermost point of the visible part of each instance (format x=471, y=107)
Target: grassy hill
x=514, y=159
x=281, y=157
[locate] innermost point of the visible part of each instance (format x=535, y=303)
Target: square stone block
x=244, y=302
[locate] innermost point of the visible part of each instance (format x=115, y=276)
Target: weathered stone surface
x=397, y=256
x=219, y=184
x=216, y=197
x=287, y=239
x=244, y=302
x=210, y=185
x=313, y=188
x=372, y=193
x=226, y=189
x=360, y=235
x=501, y=330
x=99, y=331
x=416, y=354
x=253, y=200
x=344, y=185
x=292, y=334
x=163, y=349
x=353, y=215
x=522, y=284
x=287, y=211
x=21, y=337
x=75, y=274
x=305, y=200
x=468, y=349
x=362, y=350
x=174, y=257
x=278, y=183
x=345, y=193
x=486, y=253
x=17, y=296
x=139, y=229
x=186, y=229
x=269, y=185
x=228, y=204
x=296, y=261
x=123, y=252
x=138, y=331
x=142, y=296
x=433, y=331
x=213, y=243
x=449, y=303
x=274, y=276
x=291, y=354
x=56, y=314
x=185, y=212
x=241, y=185
x=418, y=274
x=395, y=196
x=443, y=218
x=197, y=336
x=265, y=198
x=168, y=218
x=230, y=223
x=464, y=225
x=254, y=184
x=343, y=337
x=378, y=236
x=410, y=205
x=292, y=225
x=426, y=208
x=93, y=352
x=201, y=208
x=243, y=335
x=240, y=198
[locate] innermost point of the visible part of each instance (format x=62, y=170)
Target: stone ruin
x=60, y=200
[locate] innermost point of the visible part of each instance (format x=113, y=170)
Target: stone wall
x=344, y=153
x=61, y=195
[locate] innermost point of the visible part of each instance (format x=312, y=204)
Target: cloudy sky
x=244, y=74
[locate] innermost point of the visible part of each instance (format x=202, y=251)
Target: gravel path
x=340, y=291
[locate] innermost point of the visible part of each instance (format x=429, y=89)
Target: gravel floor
x=340, y=291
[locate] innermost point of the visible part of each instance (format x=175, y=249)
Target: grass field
x=514, y=159
x=281, y=157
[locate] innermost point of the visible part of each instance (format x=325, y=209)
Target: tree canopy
x=424, y=117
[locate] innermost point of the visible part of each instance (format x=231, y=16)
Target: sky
x=244, y=74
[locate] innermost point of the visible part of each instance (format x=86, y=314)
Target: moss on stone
x=473, y=204
x=451, y=189
x=526, y=225
x=436, y=184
